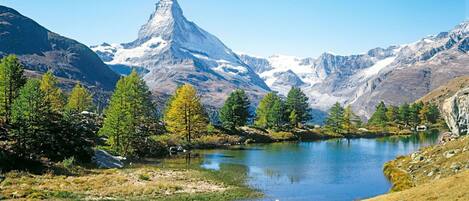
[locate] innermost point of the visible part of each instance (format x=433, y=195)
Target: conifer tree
x=235, y=111
x=271, y=112
x=392, y=114
x=351, y=120
x=335, y=118
x=379, y=117
x=185, y=115
x=53, y=94
x=128, y=115
x=404, y=114
x=80, y=99
x=11, y=81
x=414, y=112
x=297, y=103
x=31, y=119
x=433, y=113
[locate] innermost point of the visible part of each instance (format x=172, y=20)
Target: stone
x=455, y=111
x=105, y=160
x=455, y=167
x=430, y=174
x=449, y=154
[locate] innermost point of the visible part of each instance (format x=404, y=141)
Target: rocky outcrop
x=105, y=160
x=456, y=112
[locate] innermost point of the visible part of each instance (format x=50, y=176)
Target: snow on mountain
x=174, y=50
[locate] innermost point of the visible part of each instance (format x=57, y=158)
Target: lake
x=337, y=169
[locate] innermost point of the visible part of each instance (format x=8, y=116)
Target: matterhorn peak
x=163, y=21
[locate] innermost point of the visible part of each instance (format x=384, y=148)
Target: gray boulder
x=456, y=112
x=105, y=160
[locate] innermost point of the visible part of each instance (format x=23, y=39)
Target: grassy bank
x=438, y=172
x=171, y=180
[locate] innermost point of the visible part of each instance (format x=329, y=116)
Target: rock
x=430, y=174
x=455, y=110
x=105, y=160
x=449, y=154
x=447, y=137
x=455, y=167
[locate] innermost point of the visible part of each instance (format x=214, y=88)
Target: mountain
x=41, y=50
x=396, y=74
x=173, y=51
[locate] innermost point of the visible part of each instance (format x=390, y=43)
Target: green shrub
x=144, y=177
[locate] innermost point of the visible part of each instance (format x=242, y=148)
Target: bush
x=69, y=162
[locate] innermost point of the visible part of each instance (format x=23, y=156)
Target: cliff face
x=455, y=110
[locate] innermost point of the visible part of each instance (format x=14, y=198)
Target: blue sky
x=260, y=27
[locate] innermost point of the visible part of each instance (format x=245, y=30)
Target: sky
x=304, y=28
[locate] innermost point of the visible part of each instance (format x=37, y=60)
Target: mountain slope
x=41, y=50
x=174, y=50
x=396, y=74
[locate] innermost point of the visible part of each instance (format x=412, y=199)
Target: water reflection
x=337, y=169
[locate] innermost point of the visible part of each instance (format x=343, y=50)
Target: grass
x=172, y=180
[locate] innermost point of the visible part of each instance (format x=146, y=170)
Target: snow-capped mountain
x=396, y=74
x=174, y=50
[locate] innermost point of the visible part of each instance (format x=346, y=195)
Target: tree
x=235, y=111
x=404, y=114
x=392, y=114
x=414, y=113
x=297, y=107
x=129, y=116
x=53, y=94
x=350, y=120
x=11, y=81
x=270, y=113
x=80, y=99
x=335, y=119
x=379, y=117
x=430, y=113
x=185, y=114
x=30, y=120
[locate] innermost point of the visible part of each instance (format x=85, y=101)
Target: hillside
x=447, y=90
x=41, y=50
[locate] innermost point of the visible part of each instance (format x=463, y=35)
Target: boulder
x=105, y=160
x=455, y=110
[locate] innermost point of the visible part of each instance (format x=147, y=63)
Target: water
x=329, y=170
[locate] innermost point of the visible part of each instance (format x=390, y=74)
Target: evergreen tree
x=31, y=116
x=53, y=94
x=11, y=81
x=270, y=113
x=351, y=120
x=414, y=112
x=185, y=114
x=392, y=114
x=404, y=114
x=335, y=119
x=235, y=111
x=430, y=113
x=129, y=115
x=297, y=107
x=80, y=99
x=379, y=117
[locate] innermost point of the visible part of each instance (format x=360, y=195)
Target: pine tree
x=53, y=94
x=379, y=117
x=80, y=99
x=271, y=112
x=235, y=111
x=351, y=120
x=185, y=115
x=297, y=103
x=128, y=115
x=414, y=112
x=404, y=114
x=392, y=114
x=31, y=115
x=430, y=113
x=335, y=119
x=11, y=81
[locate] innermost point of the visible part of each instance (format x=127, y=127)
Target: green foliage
x=235, y=111
x=433, y=113
x=271, y=112
x=80, y=99
x=52, y=93
x=11, y=81
x=379, y=118
x=404, y=114
x=392, y=114
x=130, y=116
x=335, y=119
x=415, y=115
x=351, y=121
x=297, y=107
x=185, y=115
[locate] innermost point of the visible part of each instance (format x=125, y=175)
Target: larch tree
x=11, y=81
x=129, y=115
x=53, y=94
x=404, y=114
x=379, y=117
x=297, y=107
x=271, y=112
x=335, y=118
x=235, y=111
x=80, y=99
x=185, y=115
